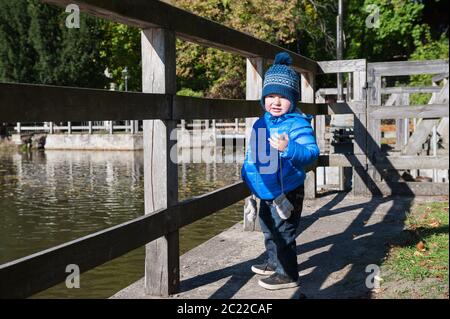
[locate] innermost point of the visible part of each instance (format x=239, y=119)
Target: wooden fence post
x=373, y=126
x=253, y=90
x=321, y=138
x=254, y=84
x=308, y=93
x=405, y=101
x=401, y=124
x=360, y=178
x=162, y=273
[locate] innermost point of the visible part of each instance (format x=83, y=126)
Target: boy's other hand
x=279, y=143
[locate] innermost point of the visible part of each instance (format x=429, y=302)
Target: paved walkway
x=339, y=236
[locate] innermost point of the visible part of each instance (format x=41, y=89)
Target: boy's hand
x=279, y=143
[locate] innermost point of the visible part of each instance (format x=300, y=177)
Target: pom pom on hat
x=283, y=58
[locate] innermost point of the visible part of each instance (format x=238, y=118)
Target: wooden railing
x=26, y=276
x=160, y=108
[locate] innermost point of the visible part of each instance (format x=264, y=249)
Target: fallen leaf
x=434, y=224
x=423, y=263
x=376, y=290
x=417, y=254
x=378, y=278
x=420, y=246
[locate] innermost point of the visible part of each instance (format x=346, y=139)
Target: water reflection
x=51, y=197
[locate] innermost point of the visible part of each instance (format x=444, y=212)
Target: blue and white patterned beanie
x=281, y=79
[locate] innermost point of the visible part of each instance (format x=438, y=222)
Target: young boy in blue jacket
x=282, y=143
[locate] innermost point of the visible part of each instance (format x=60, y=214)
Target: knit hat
x=281, y=79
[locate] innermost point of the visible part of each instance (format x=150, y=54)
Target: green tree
x=299, y=26
x=396, y=35
x=80, y=61
x=430, y=50
x=37, y=47
x=120, y=48
x=45, y=39
x=17, y=56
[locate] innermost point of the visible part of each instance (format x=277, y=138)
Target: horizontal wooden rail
x=342, y=66
x=201, y=108
x=42, y=103
x=384, y=162
x=341, y=160
x=355, y=107
x=412, y=162
x=199, y=207
x=188, y=26
x=409, y=188
x=329, y=91
x=420, y=89
x=408, y=67
x=26, y=276
x=387, y=90
x=407, y=111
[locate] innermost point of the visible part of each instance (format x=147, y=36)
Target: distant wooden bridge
x=160, y=109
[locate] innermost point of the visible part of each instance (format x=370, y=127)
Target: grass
x=418, y=262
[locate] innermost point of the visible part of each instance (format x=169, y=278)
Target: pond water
x=51, y=197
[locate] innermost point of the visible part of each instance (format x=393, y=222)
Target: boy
x=282, y=143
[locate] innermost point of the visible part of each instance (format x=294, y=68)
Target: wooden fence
x=432, y=113
x=160, y=109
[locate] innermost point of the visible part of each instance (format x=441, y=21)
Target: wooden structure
x=431, y=114
x=160, y=109
x=89, y=127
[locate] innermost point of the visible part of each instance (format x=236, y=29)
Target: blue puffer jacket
x=261, y=170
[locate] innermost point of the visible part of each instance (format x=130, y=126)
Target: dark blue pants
x=279, y=234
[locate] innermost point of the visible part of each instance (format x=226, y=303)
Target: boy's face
x=276, y=104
